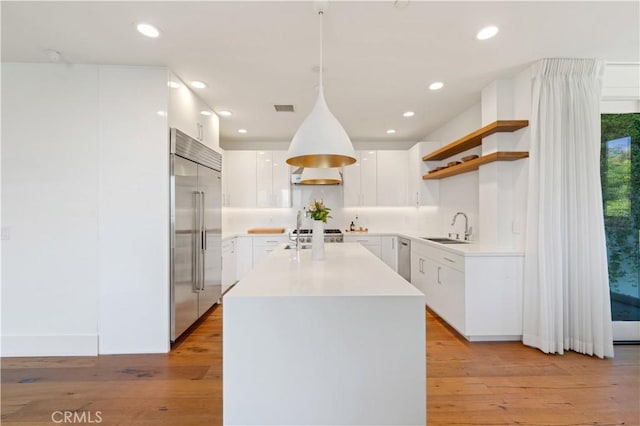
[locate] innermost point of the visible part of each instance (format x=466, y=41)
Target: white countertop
x=347, y=270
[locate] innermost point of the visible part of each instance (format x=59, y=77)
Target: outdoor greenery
x=620, y=172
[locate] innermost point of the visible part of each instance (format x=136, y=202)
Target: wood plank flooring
x=468, y=384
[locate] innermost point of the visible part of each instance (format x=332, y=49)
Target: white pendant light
x=321, y=141
x=325, y=176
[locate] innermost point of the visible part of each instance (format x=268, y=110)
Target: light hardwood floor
x=468, y=384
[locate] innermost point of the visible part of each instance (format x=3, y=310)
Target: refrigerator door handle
x=196, y=245
x=203, y=236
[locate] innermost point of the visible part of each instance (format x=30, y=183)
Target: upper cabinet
x=239, y=179
x=473, y=140
x=186, y=113
x=391, y=179
x=273, y=184
x=360, y=180
x=256, y=179
x=421, y=192
x=378, y=178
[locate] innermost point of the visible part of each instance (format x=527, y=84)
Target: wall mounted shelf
x=475, y=139
x=472, y=165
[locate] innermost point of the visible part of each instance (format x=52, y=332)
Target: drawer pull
x=450, y=260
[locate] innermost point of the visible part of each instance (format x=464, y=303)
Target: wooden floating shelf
x=472, y=165
x=475, y=139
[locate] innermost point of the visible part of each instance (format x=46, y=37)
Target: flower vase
x=317, y=240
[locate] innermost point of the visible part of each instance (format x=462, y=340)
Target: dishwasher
x=404, y=258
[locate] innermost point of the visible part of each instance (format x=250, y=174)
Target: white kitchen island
x=333, y=342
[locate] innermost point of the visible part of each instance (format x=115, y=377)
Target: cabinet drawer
x=362, y=239
x=269, y=241
x=452, y=260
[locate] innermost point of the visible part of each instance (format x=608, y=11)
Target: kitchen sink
x=293, y=246
x=443, y=240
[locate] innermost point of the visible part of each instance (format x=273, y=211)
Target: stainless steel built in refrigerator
x=196, y=261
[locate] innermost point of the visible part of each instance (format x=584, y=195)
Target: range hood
x=329, y=179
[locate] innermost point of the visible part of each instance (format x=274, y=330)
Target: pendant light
x=321, y=141
x=325, y=176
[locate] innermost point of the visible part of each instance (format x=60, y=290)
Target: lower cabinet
x=479, y=296
x=389, y=251
x=370, y=242
x=229, y=264
x=244, y=256
x=262, y=246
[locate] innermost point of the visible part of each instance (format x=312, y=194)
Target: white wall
x=458, y=193
x=85, y=198
x=134, y=211
x=49, y=205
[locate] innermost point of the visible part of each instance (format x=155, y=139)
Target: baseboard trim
x=23, y=346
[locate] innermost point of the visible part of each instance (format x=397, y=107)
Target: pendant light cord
x=321, y=13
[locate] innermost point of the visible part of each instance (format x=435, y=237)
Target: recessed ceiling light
x=225, y=113
x=174, y=84
x=436, y=86
x=242, y=130
x=409, y=114
x=487, y=32
x=391, y=131
x=148, y=30
x=198, y=84
x=206, y=112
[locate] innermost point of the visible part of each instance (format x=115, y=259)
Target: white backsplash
x=424, y=221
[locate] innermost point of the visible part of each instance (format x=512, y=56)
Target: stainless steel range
x=330, y=236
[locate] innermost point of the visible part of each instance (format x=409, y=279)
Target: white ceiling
x=379, y=57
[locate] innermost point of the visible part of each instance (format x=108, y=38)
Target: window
x=620, y=177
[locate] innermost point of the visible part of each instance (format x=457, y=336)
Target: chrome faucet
x=467, y=229
x=298, y=223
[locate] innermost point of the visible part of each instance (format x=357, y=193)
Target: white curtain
x=566, y=286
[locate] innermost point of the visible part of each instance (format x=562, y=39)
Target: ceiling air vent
x=283, y=108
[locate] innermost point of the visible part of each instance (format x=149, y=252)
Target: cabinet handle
x=439, y=267
x=450, y=260
x=421, y=265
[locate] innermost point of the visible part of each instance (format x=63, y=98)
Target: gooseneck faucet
x=467, y=230
x=298, y=223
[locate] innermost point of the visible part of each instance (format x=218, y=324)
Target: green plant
x=318, y=211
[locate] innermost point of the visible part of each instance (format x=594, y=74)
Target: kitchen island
x=333, y=342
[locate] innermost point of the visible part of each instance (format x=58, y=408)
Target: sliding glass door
x=620, y=173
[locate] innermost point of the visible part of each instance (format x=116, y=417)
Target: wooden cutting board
x=266, y=231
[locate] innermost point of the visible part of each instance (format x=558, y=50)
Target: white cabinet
x=418, y=270
x=273, y=177
x=359, y=180
x=229, y=263
x=422, y=192
x=391, y=178
x=262, y=246
x=256, y=179
x=244, y=256
x=239, y=178
x=378, y=178
x=479, y=296
x=184, y=113
x=370, y=242
x=389, y=251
